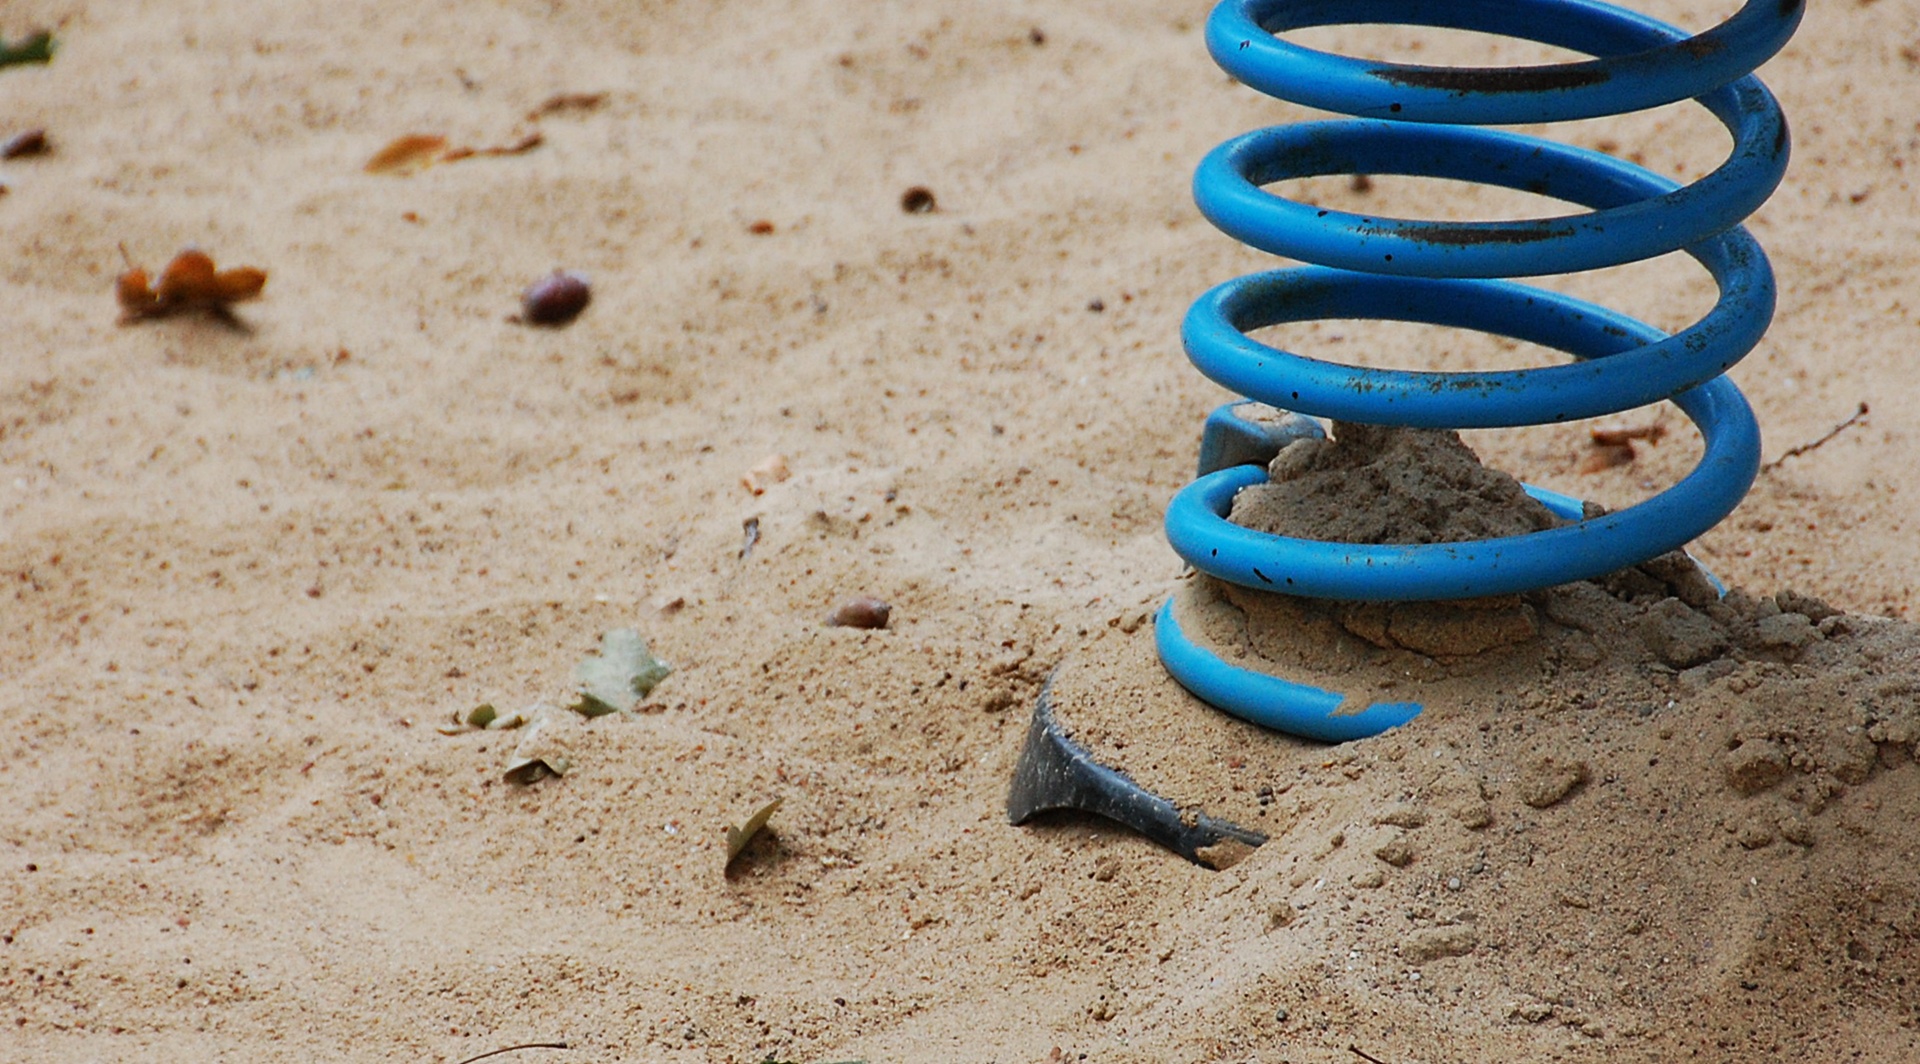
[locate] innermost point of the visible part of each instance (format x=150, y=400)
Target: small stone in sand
x=861, y=612
x=918, y=200
x=31, y=142
x=555, y=299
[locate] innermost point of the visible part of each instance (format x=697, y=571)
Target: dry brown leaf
x=191, y=275
x=239, y=284
x=567, y=101
x=737, y=838
x=133, y=289
x=415, y=151
x=191, y=282
x=519, y=147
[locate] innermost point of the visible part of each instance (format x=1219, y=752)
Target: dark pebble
x=32, y=142
x=862, y=612
x=556, y=299
x=918, y=200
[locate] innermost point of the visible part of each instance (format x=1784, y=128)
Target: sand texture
x=249, y=567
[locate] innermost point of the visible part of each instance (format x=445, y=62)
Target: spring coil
x=1424, y=121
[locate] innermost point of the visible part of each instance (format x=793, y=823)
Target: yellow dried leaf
x=737, y=838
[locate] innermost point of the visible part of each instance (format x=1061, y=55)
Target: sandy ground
x=245, y=572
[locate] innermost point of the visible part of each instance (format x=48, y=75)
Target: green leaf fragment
x=621, y=675
x=737, y=838
x=33, y=48
x=482, y=715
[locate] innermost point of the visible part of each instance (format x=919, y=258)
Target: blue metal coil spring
x=1424, y=121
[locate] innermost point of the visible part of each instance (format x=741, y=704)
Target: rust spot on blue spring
x=1472, y=235
x=1493, y=79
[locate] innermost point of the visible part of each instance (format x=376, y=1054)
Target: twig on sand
x=1364, y=1055
x=510, y=1049
x=1805, y=447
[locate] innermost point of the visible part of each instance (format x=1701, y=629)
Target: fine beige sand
x=246, y=571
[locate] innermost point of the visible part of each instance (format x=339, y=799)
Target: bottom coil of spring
x=1269, y=701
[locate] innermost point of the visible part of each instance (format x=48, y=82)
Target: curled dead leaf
x=133, y=289
x=738, y=838
x=191, y=275
x=617, y=678
x=543, y=750
x=190, y=282
x=417, y=151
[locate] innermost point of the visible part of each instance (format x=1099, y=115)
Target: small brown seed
x=556, y=299
x=918, y=200
x=32, y=142
x=862, y=612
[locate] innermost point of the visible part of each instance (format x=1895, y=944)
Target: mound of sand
x=1632, y=811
